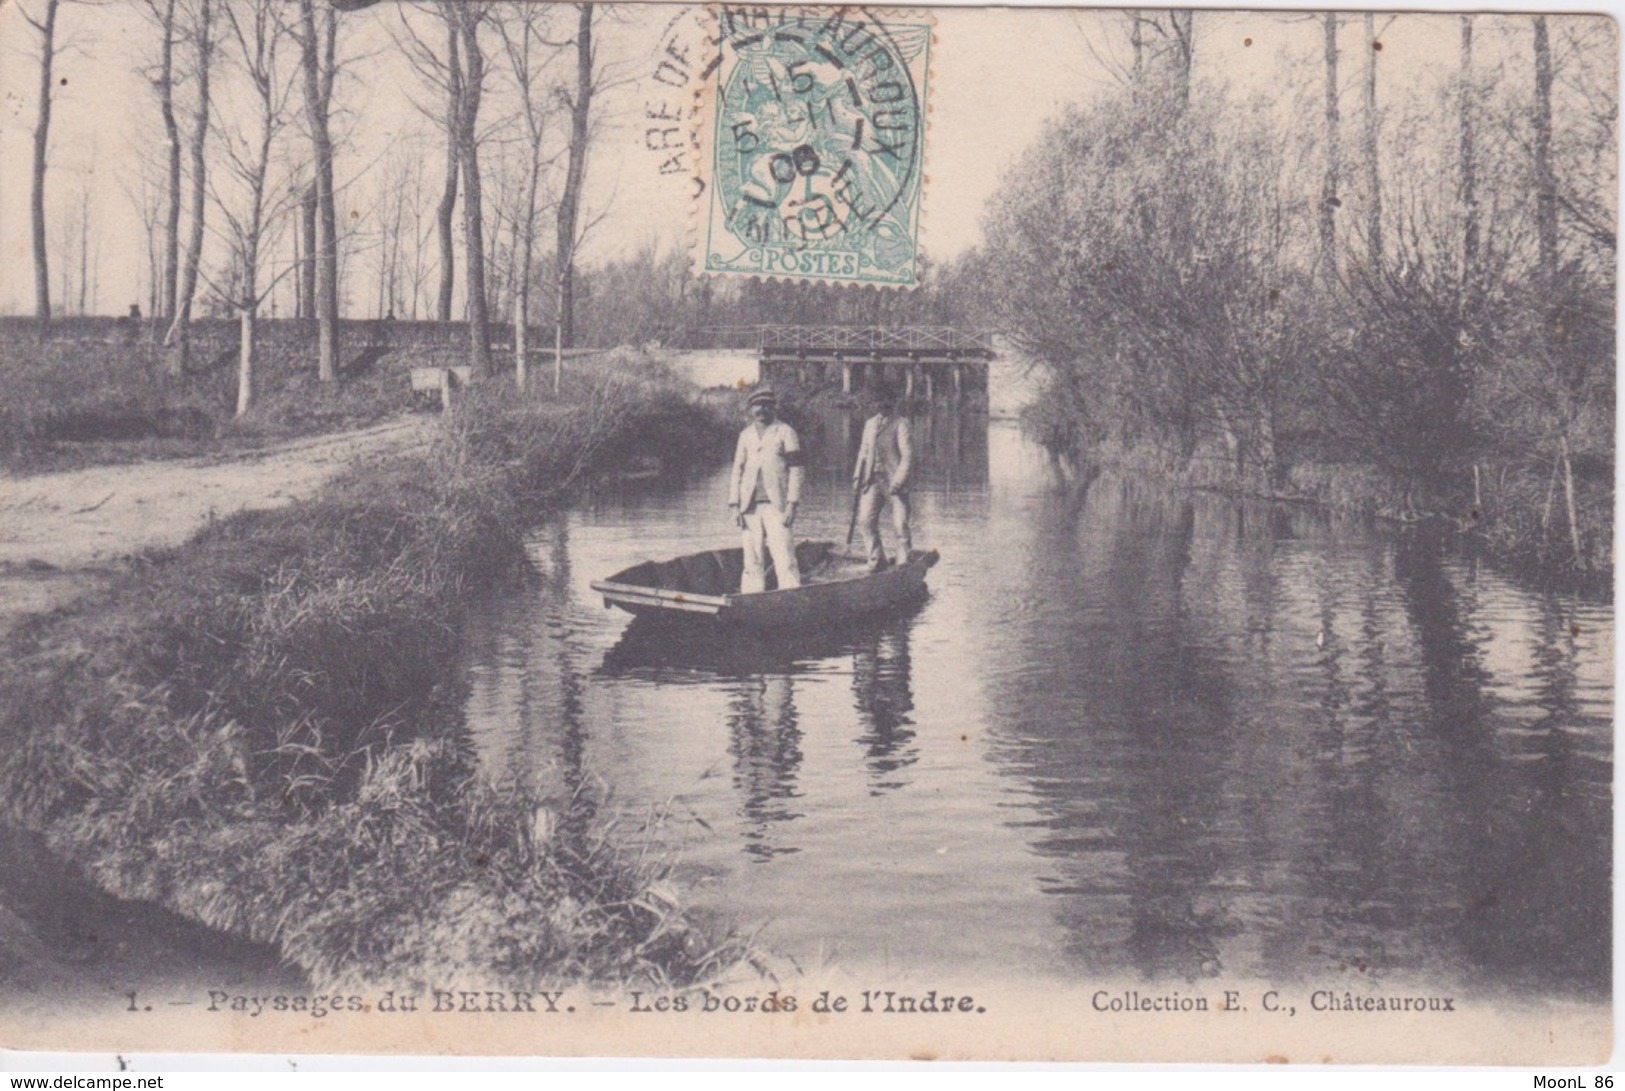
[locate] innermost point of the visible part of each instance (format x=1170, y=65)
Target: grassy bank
x=261, y=730
x=73, y=401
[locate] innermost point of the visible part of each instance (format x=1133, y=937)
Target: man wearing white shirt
x=763, y=492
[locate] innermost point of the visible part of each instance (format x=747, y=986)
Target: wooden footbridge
x=923, y=360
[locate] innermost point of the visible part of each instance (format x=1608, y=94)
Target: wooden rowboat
x=706, y=585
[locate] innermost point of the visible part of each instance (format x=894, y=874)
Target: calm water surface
x=1133, y=733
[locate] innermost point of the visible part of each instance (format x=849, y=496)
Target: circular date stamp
x=812, y=141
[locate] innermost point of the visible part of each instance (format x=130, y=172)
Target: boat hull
x=704, y=587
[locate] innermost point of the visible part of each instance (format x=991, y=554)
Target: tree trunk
x=180, y=330
x=1568, y=498
x=1334, y=154
x=1545, y=183
x=520, y=337
x=318, y=71
x=1469, y=160
x=1183, y=21
x=1136, y=40
x=558, y=343
x=1264, y=442
x=1373, y=178
x=1546, y=510
x=479, y=321
x=42, y=136
x=307, y=259
x=575, y=173
x=84, y=248
x=448, y=198
x=172, y=136
x=527, y=247
x=245, y=363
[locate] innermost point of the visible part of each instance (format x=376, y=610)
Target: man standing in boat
x=885, y=460
x=763, y=491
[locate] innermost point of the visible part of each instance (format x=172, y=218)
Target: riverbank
x=1515, y=515
x=258, y=730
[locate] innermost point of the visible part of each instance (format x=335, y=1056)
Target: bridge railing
x=791, y=338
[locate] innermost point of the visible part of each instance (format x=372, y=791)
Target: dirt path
x=62, y=533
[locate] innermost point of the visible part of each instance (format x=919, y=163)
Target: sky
x=997, y=75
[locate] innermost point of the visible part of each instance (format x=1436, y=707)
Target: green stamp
x=816, y=153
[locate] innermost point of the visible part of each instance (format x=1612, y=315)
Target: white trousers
x=765, y=533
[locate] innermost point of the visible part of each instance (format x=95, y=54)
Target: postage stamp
x=812, y=141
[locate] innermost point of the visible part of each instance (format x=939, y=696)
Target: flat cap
x=762, y=395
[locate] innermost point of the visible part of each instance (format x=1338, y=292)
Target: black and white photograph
x=930, y=533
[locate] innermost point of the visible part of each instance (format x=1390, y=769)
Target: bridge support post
x=846, y=377
x=959, y=379
x=908, y=380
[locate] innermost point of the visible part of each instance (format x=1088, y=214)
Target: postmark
x=812, y=145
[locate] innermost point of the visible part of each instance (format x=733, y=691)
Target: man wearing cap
x=885, y=460
x=763, y=491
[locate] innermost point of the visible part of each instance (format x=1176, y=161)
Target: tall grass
x=261, y=729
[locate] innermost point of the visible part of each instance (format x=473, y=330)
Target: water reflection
x=757, y=677
x=951, y=439
x=1133, y=732
x=1283, y=756
x=883, y=700
x=524, y=672
x=765, y=743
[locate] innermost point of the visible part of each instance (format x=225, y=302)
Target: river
x=1133, y=733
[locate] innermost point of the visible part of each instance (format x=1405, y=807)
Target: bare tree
x=45, y=27
x=305, y=259
x=1329, y=201
x=469, y=18
x=1467, y=155
x=447, y=209
x=524, y=42
x=201, y=33
x=412, y=226
x=1182, y=32
x=146, y=196
x=443, y=72
x=1585, y=170
x=1373, y=171
x=398, y=201
x=162, y=78
x=256, y=35
x=1545, y=184
x=569, y=234
x=318, y=41
x=83, y=233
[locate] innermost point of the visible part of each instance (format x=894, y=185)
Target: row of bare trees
x=248, y=94
x=1232, y=291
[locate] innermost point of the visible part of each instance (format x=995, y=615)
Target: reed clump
x=261, y=729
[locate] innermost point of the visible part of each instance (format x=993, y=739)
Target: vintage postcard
x=953, y=533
